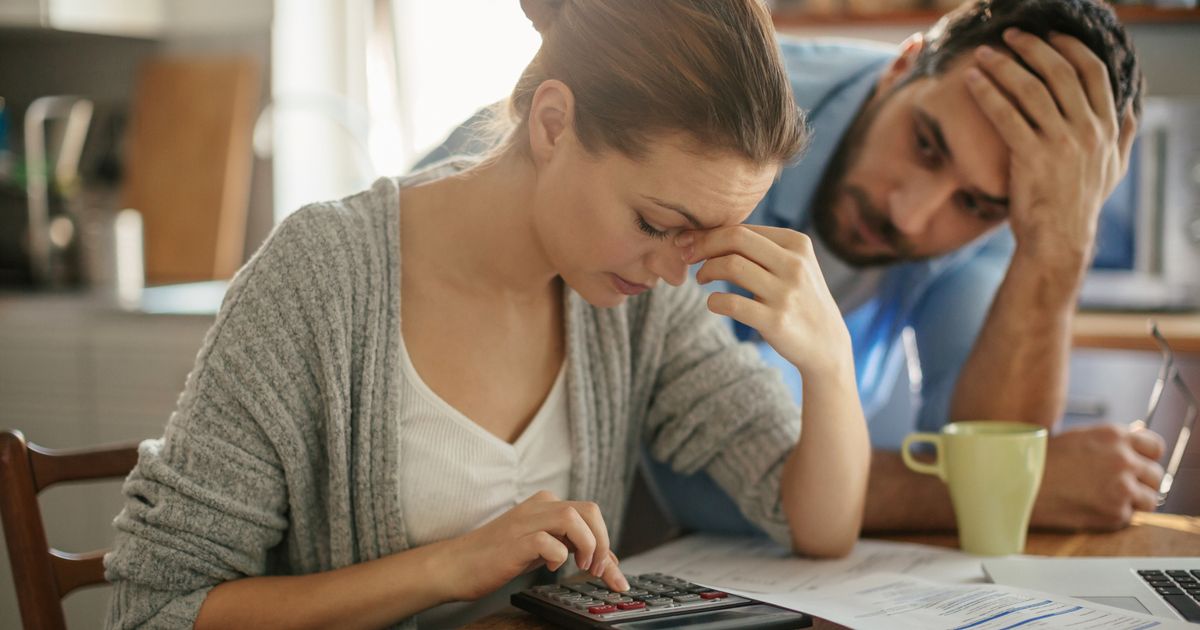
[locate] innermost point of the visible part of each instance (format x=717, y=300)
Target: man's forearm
x=901, y=500
x=1017, y=369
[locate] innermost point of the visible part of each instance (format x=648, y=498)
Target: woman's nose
x=666, y=262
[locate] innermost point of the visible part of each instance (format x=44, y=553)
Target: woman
x=415, y=396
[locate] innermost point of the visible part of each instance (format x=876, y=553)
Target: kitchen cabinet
x=129, y=18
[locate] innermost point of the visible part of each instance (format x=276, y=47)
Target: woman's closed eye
x=650, y=230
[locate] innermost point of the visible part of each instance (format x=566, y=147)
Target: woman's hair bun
x=541, y=12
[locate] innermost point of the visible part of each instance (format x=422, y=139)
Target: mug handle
x=936, y=468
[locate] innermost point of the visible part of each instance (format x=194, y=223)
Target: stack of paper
x=881, y=585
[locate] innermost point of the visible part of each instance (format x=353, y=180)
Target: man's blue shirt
x=943, y=300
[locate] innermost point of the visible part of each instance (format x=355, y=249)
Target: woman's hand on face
x=791, y=308
x=541, y=531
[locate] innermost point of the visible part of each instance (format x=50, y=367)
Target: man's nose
x=666, y=262
x=917, y=198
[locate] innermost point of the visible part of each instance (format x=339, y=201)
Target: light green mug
x=993, y=470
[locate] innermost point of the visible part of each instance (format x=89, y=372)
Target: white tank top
x=455, y=476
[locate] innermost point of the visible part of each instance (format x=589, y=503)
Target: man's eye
x=925, y=150
x=971, y=205
x=650, y=230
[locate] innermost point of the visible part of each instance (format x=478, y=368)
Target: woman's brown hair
x=640, y=68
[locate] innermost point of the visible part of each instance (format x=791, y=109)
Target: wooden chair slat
x=42, y=575
x=77, y=569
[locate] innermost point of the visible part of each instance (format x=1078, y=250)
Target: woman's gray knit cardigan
x=282, y=456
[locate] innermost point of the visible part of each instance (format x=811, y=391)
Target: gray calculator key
x=690, y=597
x=636, y=591
x=660, y=601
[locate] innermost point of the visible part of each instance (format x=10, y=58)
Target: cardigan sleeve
x=717, y=407
x=207, y=502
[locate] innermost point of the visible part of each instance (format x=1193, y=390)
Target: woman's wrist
x=834, y=378
x=837, y=369
x=439, y=564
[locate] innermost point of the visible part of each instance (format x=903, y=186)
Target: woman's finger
x=734, y=239
x=542, y=545
x=564, y=521
x=743, y=309
x=541, y=496
x=590, y=513
x=613, y=577
x=741, y=271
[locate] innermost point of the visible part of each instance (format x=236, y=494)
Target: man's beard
x=833, y=187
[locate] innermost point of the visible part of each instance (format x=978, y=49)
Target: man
x=916, y=163
x=912, y=166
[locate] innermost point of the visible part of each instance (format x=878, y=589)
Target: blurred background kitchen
x=147, y=147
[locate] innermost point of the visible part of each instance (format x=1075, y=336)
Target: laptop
x=1163, y=587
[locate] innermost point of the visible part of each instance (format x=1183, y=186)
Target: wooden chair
x=44, y=575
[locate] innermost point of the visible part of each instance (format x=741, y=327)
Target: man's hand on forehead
x=1068, y=147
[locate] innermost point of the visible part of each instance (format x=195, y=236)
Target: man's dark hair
x=984, y=22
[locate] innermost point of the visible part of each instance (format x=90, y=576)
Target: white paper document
x=890, y=601
x=757, y=565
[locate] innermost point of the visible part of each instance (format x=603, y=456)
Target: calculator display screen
x=743, y=617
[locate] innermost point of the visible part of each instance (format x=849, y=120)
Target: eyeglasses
x=1168, y=374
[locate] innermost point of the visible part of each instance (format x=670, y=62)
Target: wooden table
x=1149, y=535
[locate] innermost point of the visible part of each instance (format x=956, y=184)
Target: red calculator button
x=600, y=610
x=713, y=595
x=631, y=605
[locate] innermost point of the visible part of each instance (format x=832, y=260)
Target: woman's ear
x=551, y=119
x=903, y=64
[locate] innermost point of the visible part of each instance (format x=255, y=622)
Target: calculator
x=654, y=600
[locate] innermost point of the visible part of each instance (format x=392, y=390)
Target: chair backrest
x=44, y=575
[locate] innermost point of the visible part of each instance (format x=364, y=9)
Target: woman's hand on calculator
x=542, y=530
